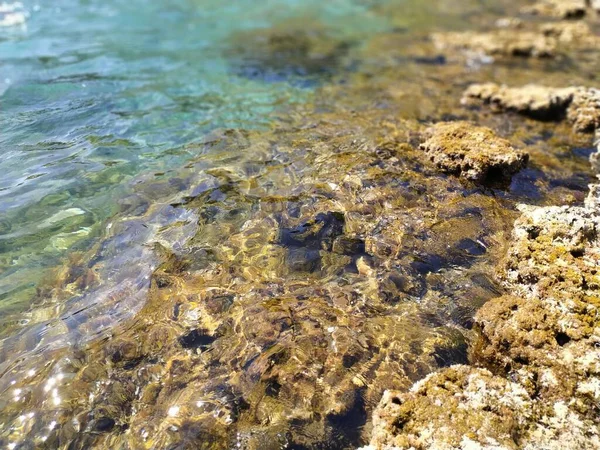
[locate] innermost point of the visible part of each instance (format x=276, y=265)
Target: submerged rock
x=290, y=53
x=579, y=105
x=473, y=153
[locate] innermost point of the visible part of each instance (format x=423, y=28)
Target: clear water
x=172, y=168
x=94, y=93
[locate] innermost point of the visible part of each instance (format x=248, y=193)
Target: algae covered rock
x=543, y=343
x=464, y=408
x=551, y=323
x=474, y=153
x=457, y=408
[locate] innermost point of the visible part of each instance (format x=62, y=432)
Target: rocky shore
x=367, y=240
x=535, y=378
x=533, y=381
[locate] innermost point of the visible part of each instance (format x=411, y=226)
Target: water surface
x=214, y=231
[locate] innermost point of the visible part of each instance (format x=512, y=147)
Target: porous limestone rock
x=501, y=42
x=533, y=100
x=513, y=38
x=472, y=152
x=584, y=111
x=460, y=407
x=542, y=341
x=575, y=34
x=580, y=105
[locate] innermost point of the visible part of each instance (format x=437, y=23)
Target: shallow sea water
x=215, y=231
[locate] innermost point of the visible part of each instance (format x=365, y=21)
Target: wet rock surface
x=473, y=153
x=543, y=338
x=460, y=407
x=533, y=379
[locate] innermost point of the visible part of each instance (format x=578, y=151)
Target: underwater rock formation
x=579, y=105
x=293, y=53
x=471, y=152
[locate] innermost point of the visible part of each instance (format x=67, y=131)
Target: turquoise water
x=213, y=230
x=95, y=93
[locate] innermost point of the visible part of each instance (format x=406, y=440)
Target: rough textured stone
x=574, y=34
x=465, y=408
x=533, y=100
x=584, y=111
x=551, y=268
x=513, y=38
x=471, y=152
x=459, y=407
x=544, y=338
x=580, y=105
x=501, y=42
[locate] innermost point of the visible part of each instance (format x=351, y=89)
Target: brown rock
x=562, y=9
x=514, y=38
x=501, y=42
x=579, y=105
x=533, y=100
x=471, y=152
x=584, y=111
x=451, y=409
x=576, y=34
x=545, y=337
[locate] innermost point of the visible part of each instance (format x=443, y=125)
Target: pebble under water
x=217, y=228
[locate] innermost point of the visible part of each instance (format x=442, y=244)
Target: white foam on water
x=12, y=14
